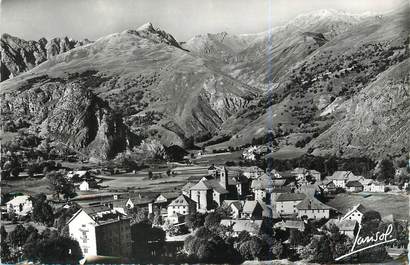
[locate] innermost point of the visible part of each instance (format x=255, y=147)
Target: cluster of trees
x=46, y=247
x=60, y=185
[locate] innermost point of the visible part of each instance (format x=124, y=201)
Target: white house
x=182, y=205
x=377, y=187
x=340, y=178
x=101, y=231
x=356, y=213
x=311, y=208
x=286, y=203
x=20, y=205
x=367, y=184
x=86, y=185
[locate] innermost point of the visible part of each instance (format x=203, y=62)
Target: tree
x=194, y=220
x=251, y=249
x=212, y=219
x=385, y=170
x=3, y=233
x=298, y=238
x=371, y=216
x=55, y=250
x=5, y=252
x=277, y=250
x=60, y=185
x=18, y=236
x=42, y=211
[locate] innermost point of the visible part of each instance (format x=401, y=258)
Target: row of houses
x=348, y=181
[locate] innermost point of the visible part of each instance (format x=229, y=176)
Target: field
x=163, y=182
x=385, y=204
x=30, y=186
x=287, y=152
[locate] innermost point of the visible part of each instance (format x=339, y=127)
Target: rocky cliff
x=19, y=56
x=70, y=114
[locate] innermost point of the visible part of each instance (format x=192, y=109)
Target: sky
x=79, y=19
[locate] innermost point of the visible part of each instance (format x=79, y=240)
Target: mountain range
x=328, y=82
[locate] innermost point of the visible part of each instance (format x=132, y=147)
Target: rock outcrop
x=18, y=55
x=70, y=114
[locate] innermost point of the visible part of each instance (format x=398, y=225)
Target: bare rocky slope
x=19, y=56
x=312, y=78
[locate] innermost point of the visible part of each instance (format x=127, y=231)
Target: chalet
x=101, y=231
x=286, y=203
x=181, y=206
x=311, y=208
x=20, y=205
x=356, y=213
x=354, y=186
x=253, y=227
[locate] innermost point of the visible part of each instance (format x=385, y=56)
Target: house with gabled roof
x=181, y=206
x=311, y=208
x=354, y=186
x=252, y=210
x=286, y=203
x=340, y=178
x=20, y=205
x=264, y=185
x=355, y=213
x=101, y=231
x=235, y=207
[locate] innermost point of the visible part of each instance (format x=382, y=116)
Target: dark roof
x=187, y=186
x=310, y=203
x=354, y=183
x=250, y=206
x=182, y=200
x=266, y=182
x=291, y=197
x=100, y=214
x=211, y=184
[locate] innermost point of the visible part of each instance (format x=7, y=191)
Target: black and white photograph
x=244, y=132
